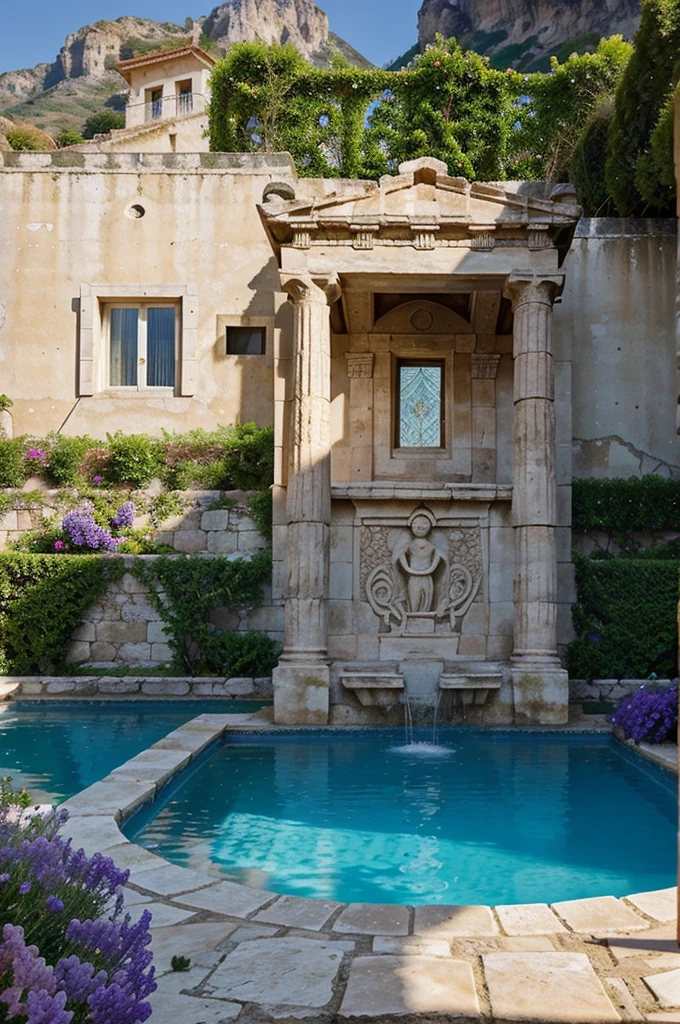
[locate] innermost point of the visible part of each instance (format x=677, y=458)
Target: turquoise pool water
x=486, y=817
x=55, y=750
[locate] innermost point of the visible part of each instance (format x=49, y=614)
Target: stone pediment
x=422, y=206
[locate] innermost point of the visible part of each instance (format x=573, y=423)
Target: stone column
x=301, y=680
x=540, y=685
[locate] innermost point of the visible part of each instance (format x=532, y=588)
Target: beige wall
x=165, y=76
x=64, y=226
x=616, y=324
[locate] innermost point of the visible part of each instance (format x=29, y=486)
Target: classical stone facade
x=415, y=560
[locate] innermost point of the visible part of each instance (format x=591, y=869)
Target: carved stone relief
x=422, y=577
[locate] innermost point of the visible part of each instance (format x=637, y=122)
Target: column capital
x=529, y=286
x=304, y=287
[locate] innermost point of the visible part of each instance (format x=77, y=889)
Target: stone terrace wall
x=123, y=628
x=197, y=529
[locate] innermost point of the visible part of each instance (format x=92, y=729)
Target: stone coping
x=126, y=687
x=154, y=163
x=256, y=955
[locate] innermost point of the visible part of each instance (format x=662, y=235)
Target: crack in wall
x=593, y=455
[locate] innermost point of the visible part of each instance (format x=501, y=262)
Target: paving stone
x=179, y=1009
x=663, y=1018
x=162, y=915
x=661, y=904
x=93, y=833
x=373, y=919
x=655, y=940
x=663, y=961
x=410, y=945
x=555, y=987
x=169, y=880
x=295, y=912
x=186, y=940
x=448, y=922
x=526, y=943
x=620, y=995
x=229, y=898
x=599, y=915
x=286, y=971
x=665, y=987
x=110, y=798
x=248, y=932
x=397, y=985
x=134, y=899
x=129, y=855
x=529, y=919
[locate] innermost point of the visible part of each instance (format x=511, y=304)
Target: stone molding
x=359, y=364
x=528, y=286
x=485, y=367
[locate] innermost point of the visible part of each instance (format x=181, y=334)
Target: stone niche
x=418, y=586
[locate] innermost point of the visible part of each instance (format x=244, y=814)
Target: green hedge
x=625, y=619
x=620, y=507
x=42, y=600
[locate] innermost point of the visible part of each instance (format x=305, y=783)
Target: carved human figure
x=419, y=561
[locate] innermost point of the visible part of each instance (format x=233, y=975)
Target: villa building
x=438, y=359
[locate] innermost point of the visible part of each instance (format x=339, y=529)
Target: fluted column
x=301, y=679
x=540, y=685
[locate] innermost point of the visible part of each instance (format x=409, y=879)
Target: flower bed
x=68, y=953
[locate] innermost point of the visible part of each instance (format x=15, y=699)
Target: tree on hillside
x=103, y=122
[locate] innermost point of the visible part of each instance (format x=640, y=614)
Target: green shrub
x=65, y=457
x=587, y=170
x=69, y=137
x=42, y=600
x=135, y=459
x=193, y=588
x=625, y=619
x=249, y=460
x=13, y=469
x=243, y=654
x=102, y=123
x=28, y=137
x=261, y=512
x=634, y=182
x=191, y=474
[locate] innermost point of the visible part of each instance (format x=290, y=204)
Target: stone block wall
x=123, y=627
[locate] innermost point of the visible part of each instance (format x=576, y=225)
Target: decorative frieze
x=424, y=235
x=485, y=367
x=364, y=235
x=482, y=236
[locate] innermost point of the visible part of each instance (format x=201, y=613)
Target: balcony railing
x=178, y=105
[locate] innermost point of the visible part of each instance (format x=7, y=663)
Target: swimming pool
x=485, y=817
x=56, y=749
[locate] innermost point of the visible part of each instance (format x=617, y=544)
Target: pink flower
x=37, y=454
x=59, y=545
x=96, y=479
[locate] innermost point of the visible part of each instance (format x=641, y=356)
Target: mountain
x=82, y=79
x=524, y=33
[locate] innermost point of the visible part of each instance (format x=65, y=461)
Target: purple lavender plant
x=649, y=715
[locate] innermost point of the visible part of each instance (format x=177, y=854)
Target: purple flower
x=37, y=454
x=96, y=479
x=650, y=715
x=125, y=515
x=59, y=545
x=78, y=979
x=84, y=532
x=24, y=888
x=54, y=904
x=4, y=877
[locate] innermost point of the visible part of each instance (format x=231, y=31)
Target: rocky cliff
x=82, y=78
x=524, y=33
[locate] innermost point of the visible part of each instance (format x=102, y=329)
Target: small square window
x=420, y=404
x=246, y=341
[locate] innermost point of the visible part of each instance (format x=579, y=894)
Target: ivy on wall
x=42, y=600
x=450, y=104
x=186, y=591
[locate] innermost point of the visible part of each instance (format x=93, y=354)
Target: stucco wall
x=64, y=222
x=616, y=323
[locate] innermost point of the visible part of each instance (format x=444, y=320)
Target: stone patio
x=259, y=957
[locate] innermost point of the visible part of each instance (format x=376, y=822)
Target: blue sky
x=34, y=30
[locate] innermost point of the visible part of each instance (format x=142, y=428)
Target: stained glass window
x=420, y=413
